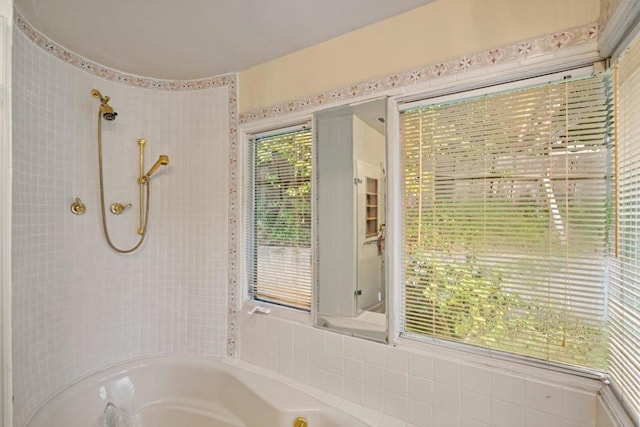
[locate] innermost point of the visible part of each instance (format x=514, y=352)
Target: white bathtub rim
x=267, y=388
x=114, y=369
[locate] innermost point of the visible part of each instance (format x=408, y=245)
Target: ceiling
x=191, y=39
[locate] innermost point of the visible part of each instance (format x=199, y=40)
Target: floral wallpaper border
x=227, y=80
x=514, y=52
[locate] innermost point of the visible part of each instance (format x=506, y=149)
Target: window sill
x=565, y=375
x=278, y=311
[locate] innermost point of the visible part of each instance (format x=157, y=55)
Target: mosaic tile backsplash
x=77, y=305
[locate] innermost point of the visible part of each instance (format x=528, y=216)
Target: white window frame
x=449, y=92
x=245, y=135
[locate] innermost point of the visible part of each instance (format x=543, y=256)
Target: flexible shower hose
x=102, y=204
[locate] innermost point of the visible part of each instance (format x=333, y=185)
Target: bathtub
x=184, y=392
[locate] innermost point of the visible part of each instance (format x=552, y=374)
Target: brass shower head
x=105, y=109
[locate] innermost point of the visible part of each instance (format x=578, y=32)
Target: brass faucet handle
x=300, y=422
x=77, y=207
x=118, y=208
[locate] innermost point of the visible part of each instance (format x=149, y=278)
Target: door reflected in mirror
x=351, y=205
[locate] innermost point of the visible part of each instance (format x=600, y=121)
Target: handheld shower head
x=163, y=160
x=106, y=111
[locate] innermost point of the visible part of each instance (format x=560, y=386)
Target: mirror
x=351, y=187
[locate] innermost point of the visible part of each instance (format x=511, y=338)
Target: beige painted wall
x=438, y=31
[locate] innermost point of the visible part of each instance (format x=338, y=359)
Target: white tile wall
x=78, y=306
x=416, y=388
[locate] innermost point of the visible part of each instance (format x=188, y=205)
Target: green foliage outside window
x=454, y=294
x=283, y=190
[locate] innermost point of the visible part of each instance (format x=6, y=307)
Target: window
x=280, y=219
x=624, y=311
x=507, y=220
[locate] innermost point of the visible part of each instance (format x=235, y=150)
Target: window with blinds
x=279, y=243
x=507, y=220
x=624, y=296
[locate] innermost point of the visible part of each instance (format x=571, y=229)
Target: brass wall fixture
x=118, y=208
x=106, y=112
x=77, y=207
x=300, y=422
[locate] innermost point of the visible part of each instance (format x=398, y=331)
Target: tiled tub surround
x=421, y=388
x=77, y=305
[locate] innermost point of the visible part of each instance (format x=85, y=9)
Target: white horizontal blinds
x=624, y=297
x=282, y=219
x=507, y=221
